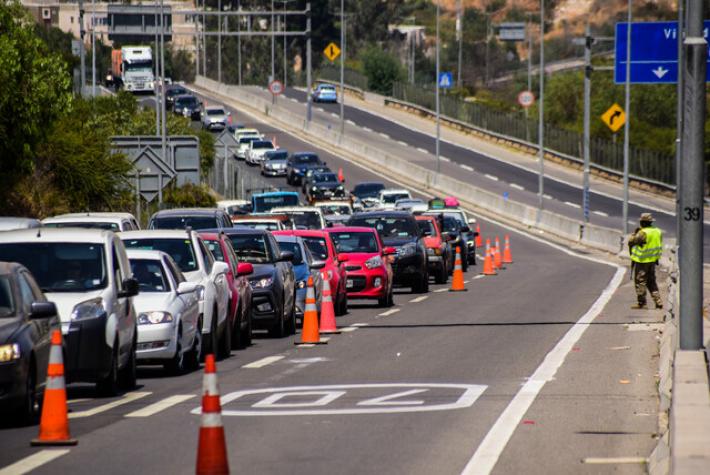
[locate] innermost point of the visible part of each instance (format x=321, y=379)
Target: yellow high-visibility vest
x=651, y=251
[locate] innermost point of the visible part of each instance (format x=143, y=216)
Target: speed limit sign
x=276, y=87
x=526, y=99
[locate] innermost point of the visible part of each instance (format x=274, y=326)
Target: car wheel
x=291, y=320
x=278, y=329
x=225, y=342
x=422, y=285
x=32, y=400
x=342, y=304
x=128, y=374
x=442, y=274
x=108, y=386
x=193, y=356
x=246, y=333
x=237, y=342
x=176, y=365
x=209, y=345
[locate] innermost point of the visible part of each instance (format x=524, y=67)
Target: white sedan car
x=169, y=324
x=197, y=263
x=257, y=149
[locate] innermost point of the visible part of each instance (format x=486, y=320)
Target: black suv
x=188, y=106
x=324, y=186
x=297, y=165
x=399, y=229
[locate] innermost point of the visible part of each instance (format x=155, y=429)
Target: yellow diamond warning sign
x=614, y=117
x=332, y=51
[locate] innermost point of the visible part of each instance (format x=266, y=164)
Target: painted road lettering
x=349, y=399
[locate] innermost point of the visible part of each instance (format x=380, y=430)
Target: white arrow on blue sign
x=446, y=80
x=654, y=52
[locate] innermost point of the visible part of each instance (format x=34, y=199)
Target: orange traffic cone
x=341, y=176
x=479, y=238
x=212, y=448
x=488, y=267
x=507, y=255
x=54, y=424
x=327, y=311
x=309, y=333
x=497, y=257
x=457, y=284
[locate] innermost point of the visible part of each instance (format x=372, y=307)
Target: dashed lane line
x=547, y=197
x=467, y=167
x=128, y=398
x=360, y=325
x=419, y=299
x=444, y=159
x=367, y=129
x=441, y=290
x=422, y=149
x=264, y=361
x=601, y=213
x=348, y=329
x=491, y=177
x=389, y=312
x=384, y=135
x=335, y=115
x=160, y=405
x=516, y=186
x=573, y=205
x=350, y=122
x=33, y=462
x=402, y=143
x=479, y=276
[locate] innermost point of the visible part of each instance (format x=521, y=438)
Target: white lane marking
x=73, y=401
x=293, y=99
x=388, y=400
x=382, y=134
x=419, y=299
x=466, y=281
x=367, y=129
x=467, y=167
x=516, y=186
x=547, y=197
x=334, y=115
x=350, y=122
x=348, y=329
x=306, y=345
x=320, y=109
x=441, y=290
x=324, y=339
x=130, y=397
x=573, y=205
x=601, y=213
x=360, y=325
x=444, y=159
x=613, y=460
x=402, y=142
x=422, y=149
x=264, y=361
x=491, y=177
x=389, y=312
x=487, y=454
x=479, y=276
x=34, y=461
x=160, y=405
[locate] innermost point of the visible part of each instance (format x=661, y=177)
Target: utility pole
x=219, y=42
x=197, y=41
x=541, y=114
x=273, y=44
x=285, y=42
x=162, y=94
x=93, y=48
x=342, y=68
x=459, y=38
x=309, y=104
x=156, y=90
x=488, y=43
x=627, y=107
x=204, y=42
x=692, y=180
x=438, y=112
x=588, y=42
x=679, y=113
x=82, y=48
x=239, y=45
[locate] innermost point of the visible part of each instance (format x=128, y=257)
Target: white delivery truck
x=137, y=68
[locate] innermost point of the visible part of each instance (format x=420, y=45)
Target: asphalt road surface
x=409, y=390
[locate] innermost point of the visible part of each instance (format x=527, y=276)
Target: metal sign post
x=541, y=114
x=438, y=81
x=589, y=41
x=627, y=102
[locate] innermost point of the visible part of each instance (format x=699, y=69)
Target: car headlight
x=148, y=318
x=373, y=262
x=301, y=284
x=340, y=188
x=261, y=283
x=9, y=352
x=433, y=251
x=407, y=250
x=93, y=308
x=314, y=188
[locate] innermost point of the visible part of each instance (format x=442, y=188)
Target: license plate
x=349, y=284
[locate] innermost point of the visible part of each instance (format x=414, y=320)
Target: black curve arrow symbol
x=614, y=116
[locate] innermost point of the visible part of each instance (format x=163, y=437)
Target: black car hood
x=8, y=327
x=326, y=186
x=262, y=270
x=301, y=167
x=399, y=241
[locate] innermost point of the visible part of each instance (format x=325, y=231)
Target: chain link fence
x=233, y=180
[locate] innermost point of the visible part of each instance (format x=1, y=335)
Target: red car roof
x=301, y=232
x=351, y=229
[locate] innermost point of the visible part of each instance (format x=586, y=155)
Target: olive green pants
x=645, y=280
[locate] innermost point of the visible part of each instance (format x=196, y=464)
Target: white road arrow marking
x=660, y=72
x=388, y=399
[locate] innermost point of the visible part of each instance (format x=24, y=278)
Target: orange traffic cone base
x=53, y=443
x=459, y=290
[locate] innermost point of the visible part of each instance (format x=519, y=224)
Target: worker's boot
x=657, y=299
x=639, y=306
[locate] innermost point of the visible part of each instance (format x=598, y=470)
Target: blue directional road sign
x=446, y=80
x=654, y=52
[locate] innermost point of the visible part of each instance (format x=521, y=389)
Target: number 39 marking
x=691, y=214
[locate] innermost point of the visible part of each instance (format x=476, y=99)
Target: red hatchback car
x=240, y=301
x=323, y=249
x=369, y=270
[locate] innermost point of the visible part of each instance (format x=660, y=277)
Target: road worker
x=645, y=248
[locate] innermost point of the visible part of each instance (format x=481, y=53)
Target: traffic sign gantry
x=526, y=98
x=654, y=52
x=614, y=117
x=276, y=87
x=332, y=51
x=446, y=80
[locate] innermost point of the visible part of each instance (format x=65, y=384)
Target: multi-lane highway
x=503, y=377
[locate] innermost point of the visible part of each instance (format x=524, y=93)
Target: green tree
x=382, y=70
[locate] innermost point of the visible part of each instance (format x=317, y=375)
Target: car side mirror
x=286, y=256
x=317, y=265
x=389, y=251
x=43, y=310
x=219, y=268
x=130, y=288
x=186, y=288
x=343, y=258
x=245, y=268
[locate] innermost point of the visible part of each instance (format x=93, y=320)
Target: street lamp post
x=273, y=44
x=627, y=107
x=342, y=67
x=438, y=72
x=541, y=114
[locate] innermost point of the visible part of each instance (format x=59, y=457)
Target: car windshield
x=388, y=227
x=306, y=159
x=355, y=242
x=261, y=144
x=150, y=275
x=317, y=246
x=61, y=266
x=426, y=226
x=7, y=303
x=263, y=204
x=277, y=155
x=176, y=91
x=325, y=178
x=291, y=246
x=187, y=101
x=368, y=190
x=181, y=222
x=451, y=224
x=328, y=88
x=393, y=197
x=179, y=249
x=305, y=219
x=247, y=140
x=84, y=225
x=215, y=112
x=215, y=249
x=336, y=209
x=251, y=248
x=262, y=225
